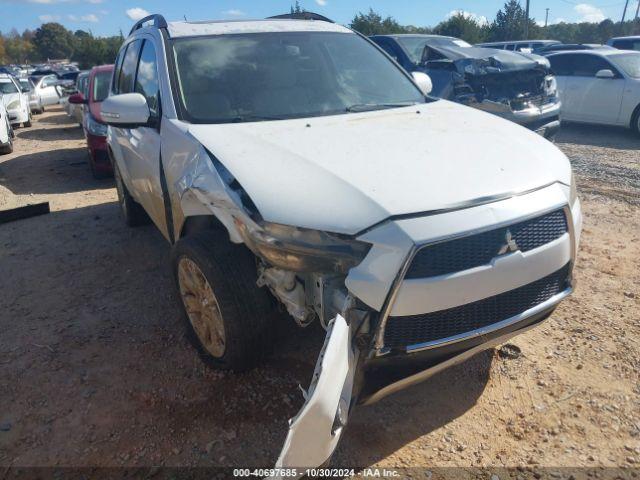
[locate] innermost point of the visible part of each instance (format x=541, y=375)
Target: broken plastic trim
x=315, y=431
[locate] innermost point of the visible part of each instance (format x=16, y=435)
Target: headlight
x=301, y=249
x=573, y=192
x=96, y=128
x=288, y=247
x=13, y=105
x=550, y=86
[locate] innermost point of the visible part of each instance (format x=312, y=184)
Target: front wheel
x=27, y=124
x=228, y=317
x=636, y=122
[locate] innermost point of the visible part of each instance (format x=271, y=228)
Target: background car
x=599, y=86
x=95, y=130
x=15, y=101
x=34, y=99
x=46, y=89
x=518, y=45
x=514, y=85
x=76, y=110
x=625, y=43
x=6, y=132
x=560, y=47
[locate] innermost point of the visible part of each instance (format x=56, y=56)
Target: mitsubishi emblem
x=510, y=244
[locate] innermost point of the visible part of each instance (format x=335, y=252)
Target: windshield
x=7, y=86
x=415, y=45
x=25, y=84
x=101, y=85
x=270, y=76
x=628, y=62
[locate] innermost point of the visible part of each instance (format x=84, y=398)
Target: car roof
x=101, y=68
x=604, y=52
x=631, y=37
x=192, y=29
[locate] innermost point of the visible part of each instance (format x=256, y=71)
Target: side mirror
x=423, y=81
x=77, y=99
x=128, y=110
x=605, y=73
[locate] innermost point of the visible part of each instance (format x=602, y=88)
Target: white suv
x=292, y=162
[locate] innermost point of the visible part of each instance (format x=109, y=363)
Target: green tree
x=19, y=49
x=372, y=23
x=509, y=23
x=461, y=26
x=297, y=8
x=54, y=41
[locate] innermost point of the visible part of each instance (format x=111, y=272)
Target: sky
x=107, y=17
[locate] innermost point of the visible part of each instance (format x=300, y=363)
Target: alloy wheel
x=202, y=307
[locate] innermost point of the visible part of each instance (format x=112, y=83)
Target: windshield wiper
x=366, y=107
x=250, y=118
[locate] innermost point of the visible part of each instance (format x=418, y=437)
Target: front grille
x=475, y=250
x=401, y=332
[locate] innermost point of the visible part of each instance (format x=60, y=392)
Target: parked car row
x=21, y=98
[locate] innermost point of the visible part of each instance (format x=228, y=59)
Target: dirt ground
x=95, y=370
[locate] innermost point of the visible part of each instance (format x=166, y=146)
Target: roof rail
x=303, y=16
x=157, y=19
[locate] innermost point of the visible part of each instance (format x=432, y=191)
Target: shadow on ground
x=598, y=136
x=51, y=134
x=67, y=170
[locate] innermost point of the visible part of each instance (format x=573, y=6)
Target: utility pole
x=546, y=17
x=624, y=12
x=526, y=22
x=637, y=10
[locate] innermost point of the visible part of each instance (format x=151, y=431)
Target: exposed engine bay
x=490, y=81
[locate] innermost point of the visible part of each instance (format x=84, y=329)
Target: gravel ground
x=95, y=370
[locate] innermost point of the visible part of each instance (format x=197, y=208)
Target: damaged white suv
x=291, y=161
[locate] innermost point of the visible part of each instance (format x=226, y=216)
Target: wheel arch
x=634, y=119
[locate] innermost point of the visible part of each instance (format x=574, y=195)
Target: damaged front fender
x=315, y=431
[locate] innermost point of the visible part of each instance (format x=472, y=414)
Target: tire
x=8, y=148
x=27, y=124
x=237, y=333
x=635, y=121
x=133, y=213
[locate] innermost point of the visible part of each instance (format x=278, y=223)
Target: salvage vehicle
x=47, y=89
x=514, y=85
x=6, y=132
x=599, y=86
x=291, y=162
x=35, y=104
x=95, y=129
x=625, y=43
x=560, y=47
x=16, y=102
x=76, y=110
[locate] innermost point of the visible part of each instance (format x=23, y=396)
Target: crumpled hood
x=345, y=173
x=478, y=60
x=7, y=98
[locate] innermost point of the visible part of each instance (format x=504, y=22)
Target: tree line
x=509, y=24
x=53, y=41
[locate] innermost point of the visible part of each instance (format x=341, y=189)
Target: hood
x=478, y=60
x=345, y=173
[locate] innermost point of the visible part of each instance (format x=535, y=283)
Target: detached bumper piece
x=315, y=431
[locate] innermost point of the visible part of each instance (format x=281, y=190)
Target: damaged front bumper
x=543, y=119
x=359, y=364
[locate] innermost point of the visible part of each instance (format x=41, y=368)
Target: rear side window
x=147, y=78
x=627, y=44
x=129, y=64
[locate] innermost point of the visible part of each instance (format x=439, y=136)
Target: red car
x=95, y=130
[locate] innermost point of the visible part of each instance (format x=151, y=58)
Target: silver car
x=35, y=103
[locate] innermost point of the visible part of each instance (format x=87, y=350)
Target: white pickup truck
x=291, y=161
